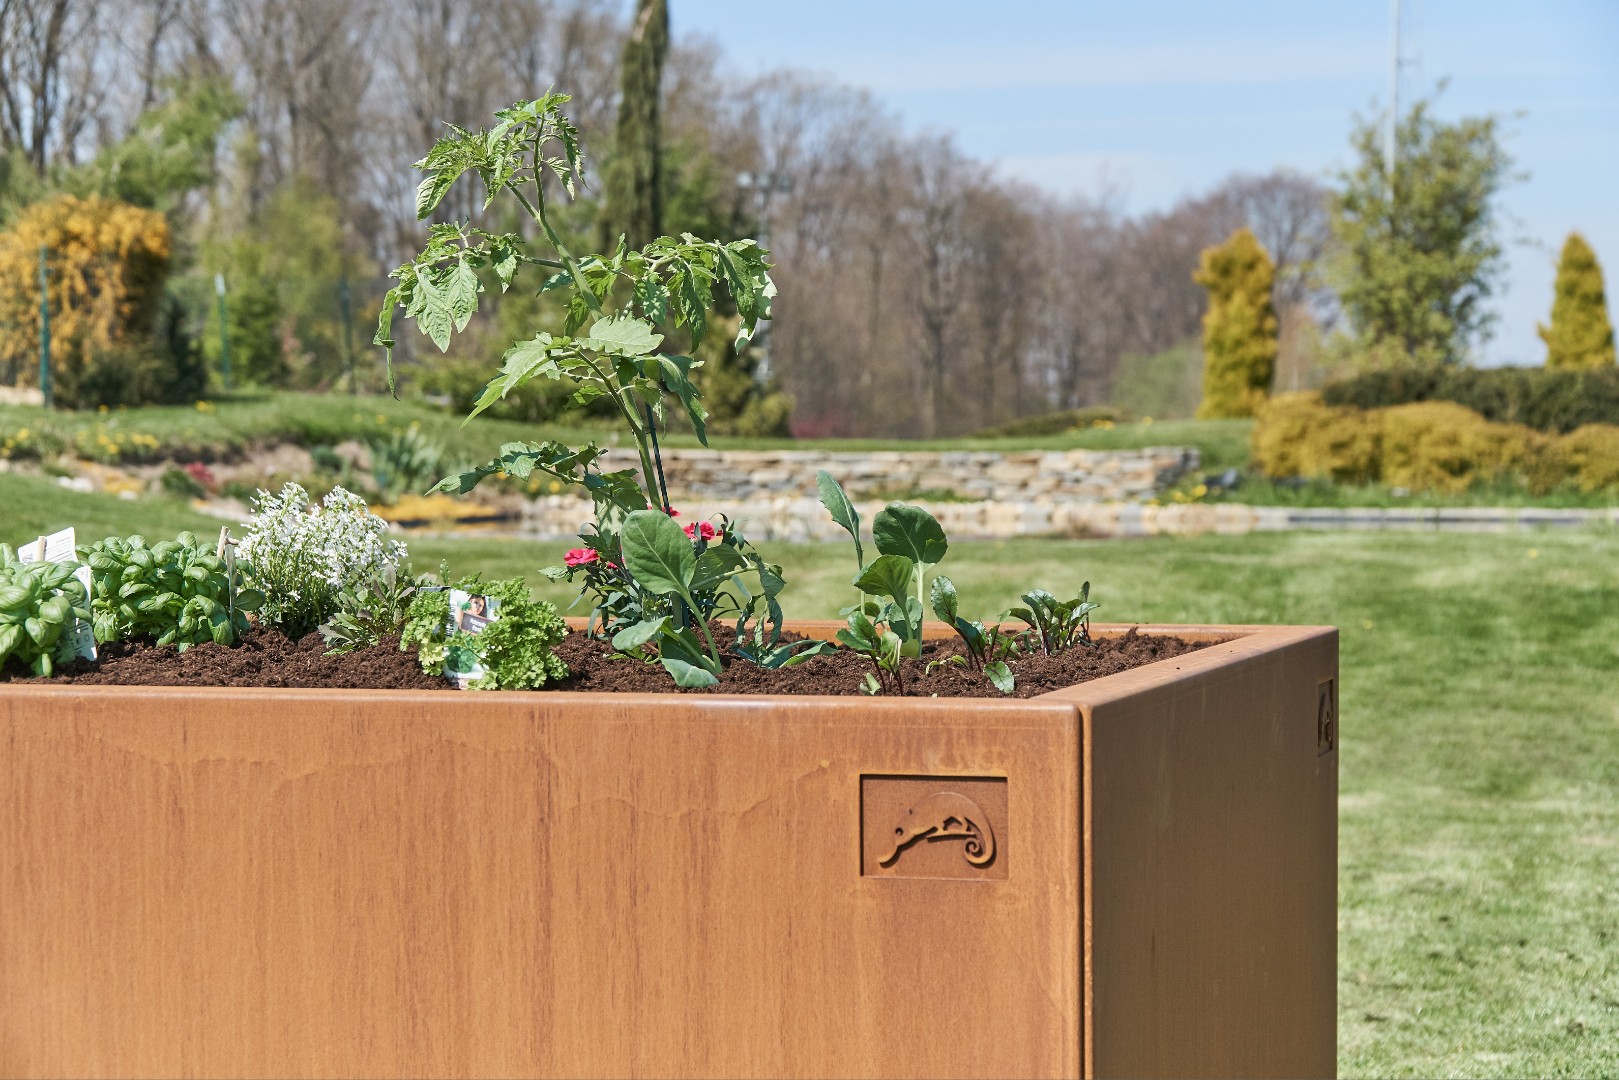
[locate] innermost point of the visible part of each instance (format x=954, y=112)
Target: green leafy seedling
x=1057, y=624
x=882, y=647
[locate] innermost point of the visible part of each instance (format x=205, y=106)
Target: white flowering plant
x=302, y=557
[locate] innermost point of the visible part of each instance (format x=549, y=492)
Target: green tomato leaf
x=657, y=553
x=652, y=297
x=623, y=335
x=431, y=192
x=676, y=372
x=462, y=287
x=523, y=361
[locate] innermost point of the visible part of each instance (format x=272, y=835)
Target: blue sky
x=1156, y=99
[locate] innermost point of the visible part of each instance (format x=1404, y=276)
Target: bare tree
x=50, y=87
x=1288, y=213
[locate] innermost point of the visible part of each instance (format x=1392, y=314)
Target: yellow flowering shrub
x=107, y=262
x=1442, y=446
x=1426, y=446
x=1589, y=455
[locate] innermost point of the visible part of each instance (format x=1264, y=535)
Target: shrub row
x=1427, y=446
x=1542, y=398
x=1052, y=423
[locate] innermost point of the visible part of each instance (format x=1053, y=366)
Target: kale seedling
x=1057, y=624
x=882, y=647
x=985, y=648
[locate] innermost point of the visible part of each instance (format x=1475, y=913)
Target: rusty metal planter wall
x=1133, y=876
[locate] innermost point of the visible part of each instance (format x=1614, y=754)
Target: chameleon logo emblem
x=946, y=816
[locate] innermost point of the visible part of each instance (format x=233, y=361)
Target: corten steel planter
x=1133, y=876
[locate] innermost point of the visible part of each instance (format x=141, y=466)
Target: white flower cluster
x=303, y=557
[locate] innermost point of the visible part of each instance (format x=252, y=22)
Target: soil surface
x=593, y=667
x=264, y=658
x=268, y=658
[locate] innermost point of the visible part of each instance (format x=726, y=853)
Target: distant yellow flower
x=107, y=263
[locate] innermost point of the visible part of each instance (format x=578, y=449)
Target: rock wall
x=979, y=476
x=804, y=519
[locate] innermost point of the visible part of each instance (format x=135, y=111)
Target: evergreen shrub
x=1545, y=399
x=1426, y=446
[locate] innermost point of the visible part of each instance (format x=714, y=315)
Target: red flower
x=672, y=512
x=579, y=557
x=703, y=529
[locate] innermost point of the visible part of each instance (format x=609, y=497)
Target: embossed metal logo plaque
x=933, y=826
x=1326, y=718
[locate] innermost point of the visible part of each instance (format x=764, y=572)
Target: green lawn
x=215, y=427
x=308, y=419
x=1479, y=837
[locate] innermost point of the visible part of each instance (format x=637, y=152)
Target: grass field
x=226, y=425
x=1479, y=865
x=229, y=423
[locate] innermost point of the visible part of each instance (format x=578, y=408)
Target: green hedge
x=1541, y=398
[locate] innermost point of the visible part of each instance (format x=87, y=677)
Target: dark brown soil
x=267, y=658
x=593, y=667
x=264, y=658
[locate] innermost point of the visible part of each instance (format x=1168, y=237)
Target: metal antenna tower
x=1394, y=92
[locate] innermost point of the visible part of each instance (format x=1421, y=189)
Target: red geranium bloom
x=703, y=529
x=580, y=556
x=672, y=512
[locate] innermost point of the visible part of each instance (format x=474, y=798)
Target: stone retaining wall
x=559, y=517
x=1031, y=476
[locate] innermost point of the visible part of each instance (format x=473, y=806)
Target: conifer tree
x=1580, y=335
x=634, y=182
x=1239, y=328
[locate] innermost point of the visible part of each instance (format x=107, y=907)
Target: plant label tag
x=64, y=547
x=81, y=634
x=469, y=614
x=58, y=547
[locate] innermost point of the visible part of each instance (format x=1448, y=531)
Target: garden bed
x=269, y=659
x=1135, y=876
